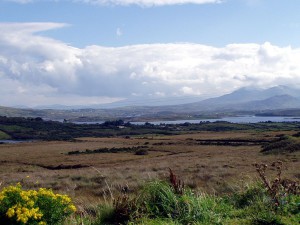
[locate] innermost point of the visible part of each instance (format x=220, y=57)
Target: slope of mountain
x=279, y=97
x=20, y=112
x=247, y=94
x=281, y=90
x=272, y=103
x=245, y=99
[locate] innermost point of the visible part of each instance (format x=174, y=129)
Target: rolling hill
x=245, y=100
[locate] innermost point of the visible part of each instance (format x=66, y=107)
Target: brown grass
x=207, y=167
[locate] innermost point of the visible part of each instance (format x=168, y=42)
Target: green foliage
x=265, y=217
x=4, y=135
x=105, y=215
x=248, y=197
x=157, y=221
x=158, y=203
x=285, y=144
x=140, y=150
x=158, y=200
x=36, y=128
x=33, y=207
x=263, y=210
x=291, y=204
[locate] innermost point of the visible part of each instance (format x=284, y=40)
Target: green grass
x=159, y=221
x=4, y=135
x=14, y=128
x=157, y=203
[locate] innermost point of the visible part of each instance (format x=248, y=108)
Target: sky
x=85, y=52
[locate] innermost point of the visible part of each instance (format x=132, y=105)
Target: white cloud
x=119, y=32
x=143, y=3
x=35, y=69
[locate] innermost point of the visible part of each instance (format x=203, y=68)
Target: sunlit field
x=198, y=159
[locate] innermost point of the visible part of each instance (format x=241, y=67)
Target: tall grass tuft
x=159, y=200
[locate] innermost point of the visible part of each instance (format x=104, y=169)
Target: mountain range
x=251, y=99
x=247, y=100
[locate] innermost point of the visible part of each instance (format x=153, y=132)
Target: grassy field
x=3, y=135
x=213, y=162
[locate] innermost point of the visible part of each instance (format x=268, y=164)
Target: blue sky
x=233, y=21
x=76, y=52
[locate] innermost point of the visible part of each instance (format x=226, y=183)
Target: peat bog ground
x=92, y=169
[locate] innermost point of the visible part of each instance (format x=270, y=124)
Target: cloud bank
x=36, y=70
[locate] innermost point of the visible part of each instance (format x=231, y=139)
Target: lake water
x=97, y=122
x=238, y=119
x=14, y=141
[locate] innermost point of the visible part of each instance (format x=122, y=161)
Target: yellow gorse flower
x=72, y=208
x=26, y=208
x=10, y=212
x=23, y=214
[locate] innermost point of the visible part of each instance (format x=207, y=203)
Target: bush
x=285, y=144
x=158, y=200
x=141, y=152
x=18, y=207
x=105, y=215
x=248, y=196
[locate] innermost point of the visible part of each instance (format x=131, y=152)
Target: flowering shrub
x=34, y=207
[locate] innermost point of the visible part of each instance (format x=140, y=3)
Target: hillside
x=242, y=101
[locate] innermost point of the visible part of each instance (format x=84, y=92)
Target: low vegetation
x=19, y=128
x=272, y=201
x=116, y=172
x=40, y=207
x=266, y=202
x=4, y=135
x=135, y=149
x=286, y=144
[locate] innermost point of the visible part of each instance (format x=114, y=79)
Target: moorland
x=96, y=162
